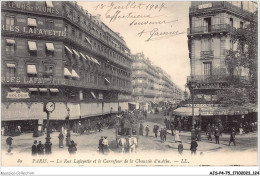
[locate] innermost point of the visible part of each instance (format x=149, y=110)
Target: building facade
x=152, y=85
x=57, y=51
x=209, y=38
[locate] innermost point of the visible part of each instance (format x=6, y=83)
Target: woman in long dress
x=177, y=137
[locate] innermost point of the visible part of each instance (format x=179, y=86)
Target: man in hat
x=40, y=148
x=9, y=143
x=193, y=146
x=34, y=148
x=61, y=138
x=141, y=129
x=100, y=145
x=217, y=134
x=147, y=130
x=232, y=136
x=180, y=148
x=161, y=135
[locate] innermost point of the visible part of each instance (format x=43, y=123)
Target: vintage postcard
x=129, y=83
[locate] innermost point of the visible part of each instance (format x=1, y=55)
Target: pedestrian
x=141, y=129
x=155, y=130
x=161, y=135
x=196, y=133
x=40, y=148
x=68, y=141
x=179, y=125
x=34, y=148
x=199, y=134
x=172, y=128
x=193, y=147
x=209, y=132
x=100, y=145
x=105, y=145
x=232, y=137
x=180, y=148
x=99, y=127
x=177, y=137
x=9, y=143
x=147, y=130
x=217, y=134
x=61, y=138
x=164, y=134
x=72, y=147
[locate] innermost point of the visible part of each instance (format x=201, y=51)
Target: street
x=88, y=143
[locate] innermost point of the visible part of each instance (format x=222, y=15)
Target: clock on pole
x=50, y=106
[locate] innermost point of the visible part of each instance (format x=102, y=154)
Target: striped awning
x=32, y=22
x=49, y=4
x=74, y=74
x=10, y=65
x=54, y=90
x=50, y=46
x=10, y=41
x=33, y=89
x=67, y=72
x=82, y=55
x=31, y=69
x=68, y=49
x=32, y=46
x=75, y=52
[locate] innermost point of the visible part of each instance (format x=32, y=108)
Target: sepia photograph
x=129, y=83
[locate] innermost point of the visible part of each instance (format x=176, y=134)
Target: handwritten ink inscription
x=152, y=16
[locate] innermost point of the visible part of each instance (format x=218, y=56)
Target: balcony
x=207, y=55
x=217, y=28
x=223, y=78
x=219, y=5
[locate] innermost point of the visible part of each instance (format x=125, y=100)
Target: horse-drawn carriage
x=127, y=129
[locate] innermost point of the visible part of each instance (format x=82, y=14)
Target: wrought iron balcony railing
x=217, y=78
x=211, y=29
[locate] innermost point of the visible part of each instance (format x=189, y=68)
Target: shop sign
x=28, y=7
x=18, y=95
x=204, y=6
x=38, y=31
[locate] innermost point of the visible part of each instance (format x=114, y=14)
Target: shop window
x=9, y=21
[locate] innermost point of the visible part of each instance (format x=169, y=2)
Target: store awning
x=10, y=41
x=93, y=95
x=54, y=90
x=251, y=107
x=32, y=22
x=50, y=46
x=89, y=58
x=14, y=88
x=107, y=81
x=43, y=89
x=67, y=72
x=87, y=39
x=32, y=46
x=210, y=111
x=68, y=49
x=31, y=69
x=49, y=4
x=74, y=74
x=33, y=89
x=75, y=52
x=82, y=55
x=10, y=65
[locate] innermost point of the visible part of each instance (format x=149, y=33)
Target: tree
x=246, y=56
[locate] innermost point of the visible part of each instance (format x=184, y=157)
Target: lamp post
x=200, y=116
x=68, y=127
x=192, y=86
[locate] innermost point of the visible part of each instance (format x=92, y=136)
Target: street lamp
x=68, y=127
x=192, y=85
x=200, y=116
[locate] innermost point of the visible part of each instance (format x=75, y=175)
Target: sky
x=158, y=29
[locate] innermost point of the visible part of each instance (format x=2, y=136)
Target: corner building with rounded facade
x=57, y=51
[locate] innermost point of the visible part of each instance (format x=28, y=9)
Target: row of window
x=49, y=72
x=32, y=23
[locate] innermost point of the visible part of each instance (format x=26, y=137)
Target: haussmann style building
x=211, y=25
x=152, y=86
x=57, y=51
